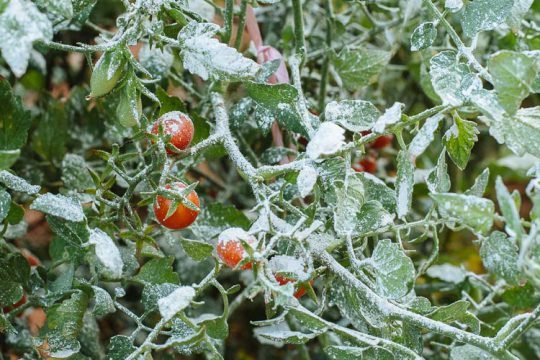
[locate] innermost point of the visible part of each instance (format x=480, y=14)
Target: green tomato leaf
x=470, y=210
x=197, y=250
x=359, y=67
x=395, y=270
x=459, y=141
x=500, y=256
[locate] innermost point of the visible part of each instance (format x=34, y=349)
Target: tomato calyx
x=179, y=212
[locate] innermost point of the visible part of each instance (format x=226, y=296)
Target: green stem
x=300, y=41
x=241, y=24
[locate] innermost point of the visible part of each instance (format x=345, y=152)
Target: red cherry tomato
x=230, y=249
x=382, y=142
x=179, y=126
x=182, y=216
x=19, y=303
x=299, y=292
x=368, y=164
x=32, y=260
x=379, y=143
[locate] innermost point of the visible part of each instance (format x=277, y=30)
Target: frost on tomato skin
x=179, y=126
x=183, y=216
x=282, y=265
x=230, y=248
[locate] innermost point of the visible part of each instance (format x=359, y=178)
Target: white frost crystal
x=453, y=5
x=328, y=139
x=21, y=24
x=235, y=234
x=107, y=252
x=391, y=116
x=306, y=180
x=289, y=264
x=175, y=302
x=59, y=205
x=205, y=56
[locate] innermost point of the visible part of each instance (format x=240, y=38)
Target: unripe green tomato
x=107, y=73
x=129, y=108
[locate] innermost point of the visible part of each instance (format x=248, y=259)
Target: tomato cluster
x=178, y=128
x=231, y=251
x=369, y=162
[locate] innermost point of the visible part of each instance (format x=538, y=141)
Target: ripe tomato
x=12, y=307
x=382, y=142
x=379, y=143
x=179, y=126
x=230, y=249
x=300, y=291
x=182, y=216
x=368, y=164
x=32, y=260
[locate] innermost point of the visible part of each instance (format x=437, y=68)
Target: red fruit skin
x=12, y=307
x=368, y=164
x=32, y=260
x=283, y=280
x=382, y=142
x=182, y=217
x=231, y=252
x=179, y=126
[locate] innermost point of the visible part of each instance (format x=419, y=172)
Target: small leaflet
x=175, y=302
x=306, y=180
x=59, y=205
x=391, y=116
x=328, y=139
x=107, y=252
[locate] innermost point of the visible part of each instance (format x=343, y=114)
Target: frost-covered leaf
x=456, y=312
x=451, y=80
x=16, y=183
x=69, y=238
x=513, y=75
x=352, y=353
x=425, y=136
x=359, y=67
x=216, y=217
x=404, y=184
x=517, y=13
x=375, y=189
x=107, y=253
x=14, y=276
x=459, y=141
x=519, y=132
x=61, y=8
x=480, y=184
x=509, y=210
x=15, y=119
x=157, y=271
x=349, y=202
x=205, y=56
x=5, y=204
x=197, y=250
x=481, y=15
x=103, y=303
x=372, y=216
x=49, y=139
x=328, y=139
x=120, y=347
x=500, y=256
x=156, y=61
x=395, y=270
x=447, y=272
x=353, y=115
x=306, y=180
x=64, y=324
x=391, y=116
x=423, y=36
x=21, y=24
x=59, y=205
x=453, y=5
x=75, y=173
x=284, y=336
x=438, y=180
x=175, y=302
x=469, y=352
x=279, y=100
x=274, y=155
x=473, y=211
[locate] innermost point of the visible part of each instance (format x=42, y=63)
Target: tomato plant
x=177, y=176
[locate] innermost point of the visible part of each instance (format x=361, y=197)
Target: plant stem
x=300, y=41
x=241, y=24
